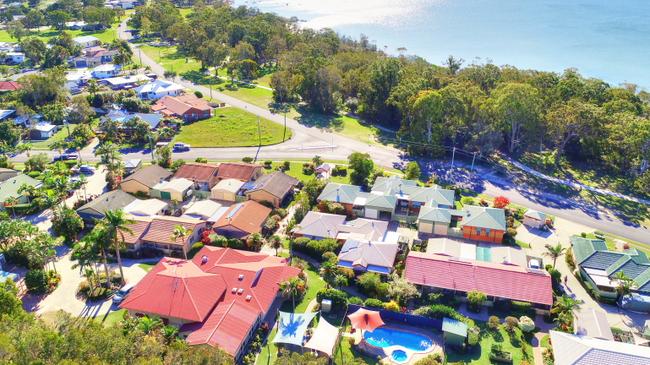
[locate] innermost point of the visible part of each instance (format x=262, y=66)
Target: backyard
x=480, y=355
x=231, y=127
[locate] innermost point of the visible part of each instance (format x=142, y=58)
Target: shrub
x=40, y=281
x=328, y=256
x=338, y=297
x=286, y=165
x=201, y=160
x=391, y=306
x=372, y=302
x=247, y=159
x=511, y=323
x=473, y=336
x=198, y=94
x=339, y=170
x=497, y=354
x=435, y=359
x=196, y=247
x=308, y=168
x=177, y=164
x=467, y=200
x=475, y=299
x=315, y=248
x=434, y=298
x=501, y=202
x=526, y=324
x=494, y=322
x=268, y=164
x=279, y=212
x=355, y=300
x=372, y=286
x=568, y=257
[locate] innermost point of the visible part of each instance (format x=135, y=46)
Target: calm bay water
x=601, y=38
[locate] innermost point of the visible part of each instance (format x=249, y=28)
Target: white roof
x=5, y=113
x=323, y=338
x=363, y=229
x=78, y=74
x=44, y=127
x=146, y=208
x=158, y=86
x=317, y=224
x=178, y=185
x=121, y=80
x=593, y=323
x=229, y=185
x=132, y=163
x=535, y=214
x=85, y=39
x=581, y=350
x=106, y=67
x=202, y=209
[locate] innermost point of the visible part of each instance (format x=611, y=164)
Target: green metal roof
x=585, y=247
x=453, y=326
x=10, y=187
x=381, y=201
x=340, y=193
x=431, y=214
x=485, y=217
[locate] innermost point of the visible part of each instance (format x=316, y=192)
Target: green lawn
x=112, y=317
x=480, y=354
x=295, y=170
x=58, y=136
x=609, y=240
x=251, y=94
x=146, y=267
x=170, y=59
x=106, y=36
x=231, y=127
x=346, y=353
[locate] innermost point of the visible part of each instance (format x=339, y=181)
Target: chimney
x=204, y=260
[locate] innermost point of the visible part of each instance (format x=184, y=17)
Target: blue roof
x=378, y=269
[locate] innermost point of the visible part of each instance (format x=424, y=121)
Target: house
x=317, y=226
x=207, y=210
x=499, y=281
x=592, y=322
x=6, y=113
x=137, y=229
x=125, y=82
x=187, y=107
x=159, y=235
x=323, y=171
x=342, y=194
x=42, y=130
x=145, y=207
x=482, y=252
x=121, y=117
x=219, y=298
x=570, y=349
x=238, y=170
x=13, y=58
x=92, y=57
x=598, y=267
x=106, y=71
x=534, y=219
x=130, y=166
x=157, y=89
x=273, y=188
x=75, y=25
x=143, y=180
x=9, y=86
x=175, y=189
x=242, y=220
x=434, y=220
x=6, y=174
x=96, y=208
x=9, y=188
x=87, y=41
x=368, y=256
x=77, y=79
x=484, y=224
x=203, y=175
x=226, y=190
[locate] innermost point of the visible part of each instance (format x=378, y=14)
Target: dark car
x=66, y=157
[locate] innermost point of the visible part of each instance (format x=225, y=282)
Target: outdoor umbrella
x=366, y=320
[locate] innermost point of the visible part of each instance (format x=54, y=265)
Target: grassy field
x=231, y=127
x=106, y=36
x=170, y=59
x=112, y=317
x=480, y=354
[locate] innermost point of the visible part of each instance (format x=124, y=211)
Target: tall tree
x=181, y=234
x=117, y=223
x=572, y=120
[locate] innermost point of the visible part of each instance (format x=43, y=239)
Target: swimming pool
x=399, y=356
x=386, y=337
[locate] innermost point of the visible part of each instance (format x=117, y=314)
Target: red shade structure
x=366, y=320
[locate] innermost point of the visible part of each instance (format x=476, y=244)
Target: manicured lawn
x=170, y=59
x=314, y=284
x=146, y=267
x=481, y=353
x=609, y=240
x=295, y=170
x=58, y=136
x=345, y=352
x=112, y=317
x=231, y=127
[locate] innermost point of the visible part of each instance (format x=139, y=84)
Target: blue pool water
x=399, y=356
x=386, y=337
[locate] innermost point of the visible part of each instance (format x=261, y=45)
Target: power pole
x=284, y=134
x=259, y=131
x=453, y=156
x=473, y=159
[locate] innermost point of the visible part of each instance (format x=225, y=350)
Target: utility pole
x=284, y=134
x=473, y=159
x=259, y=131
x=453, y=156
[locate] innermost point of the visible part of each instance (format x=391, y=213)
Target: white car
x=119, y=296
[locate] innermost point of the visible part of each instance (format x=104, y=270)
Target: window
x=487, y=231
x=478, y=230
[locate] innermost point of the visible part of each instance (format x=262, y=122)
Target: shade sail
x=365, y=319
x=292, y=327
x=324, y=337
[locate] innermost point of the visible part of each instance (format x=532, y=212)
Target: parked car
x=66, y=157
x=180, y=147
x=87, y=170
x=119, y=296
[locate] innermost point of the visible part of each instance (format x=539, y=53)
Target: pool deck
x=384, y=353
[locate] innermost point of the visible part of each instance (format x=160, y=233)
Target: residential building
x=137, y=229
x=483, y=224
x=188, y=107
x=592, y=322
x=96, y=208
x=146, y=207
x=144, y=179
x=92, y=57
x=317, y=226
x=207, y=210
x=226, y=190
x=370, y=256
x=13, y=58
x=219, y=298
x=159, y=234
x=75, y=25
x=242, y=220
x=499, y=281
x=598, y=267
x=77, y=79
x=157, y=89
x=6, y=86
x=42, y=130
x=106, y=71
x=6, y=174
x=125, y=82
x=534, y=219
x=343, y=194
x=245, y=172
x=9, y=188
x=122, y=116
x=273, y=188
x=175, y=190
x=130, y=166
x=87, y=41
x=203, y=175
x=570, y=349
x=6, y=113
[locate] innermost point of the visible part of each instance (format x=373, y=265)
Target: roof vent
x=204, y=260
x=234, y=290
x=241, y=277
x=249, y=297
x=240, y=291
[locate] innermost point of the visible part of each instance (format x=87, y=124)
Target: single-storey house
x=6, y=86
x=207, y=210
x=13, y=58
x=75, y=80
x=121, y=117
x=187, y=107
x=226, y=190
x=239, y=170
x=6, y=174
x=159, y=235
x=570, y=349
x=144, y=179
x=175, y=189
x=10, y=186
x=226, y=295
x=93, y=57
x=203, y=175
x=318, y=226
x=343, y=194
x=242, y=220
x=157, y=89
x=371, y=256
x=106, y=71
x=133, y=239
x=96, y=208
x=145, y=207
x=43, y=130
x=86, y=41
x=125, y=82
x=131, y=165
x=534, y=218
x=274, y=188
x=483, y=224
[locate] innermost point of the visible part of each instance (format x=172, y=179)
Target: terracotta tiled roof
x=198, y=172
x=137, y=230
x=10, y=86
x=248, y=217
x=500, y=280
x=180, y=105
x=161, y=229
x=236, y=170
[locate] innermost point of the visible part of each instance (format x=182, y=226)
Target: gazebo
x=324, y=337
x=292, y=328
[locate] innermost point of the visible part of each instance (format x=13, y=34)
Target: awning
x=292, y=327
x=324, y=337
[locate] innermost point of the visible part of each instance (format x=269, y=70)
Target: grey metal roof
x=340, y=193
x=433, y=214
x=485, y=217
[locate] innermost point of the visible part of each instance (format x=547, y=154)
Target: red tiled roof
x=10, y=86
x=499, y=280
x=198, y=172
x=161, y=229
x=180, y=105
x=176, y=288
x=248, y=217
x=237, y=170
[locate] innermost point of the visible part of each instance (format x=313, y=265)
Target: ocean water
x=601, y=38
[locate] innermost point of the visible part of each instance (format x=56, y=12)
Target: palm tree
x=554, y=252
x=624, y=284
x=564, y=321
x=92, y=87
x=96, y=242
x=275, y=242
x=169, y=333
x=255, y=241
x=291, y=287
x=328, y=271
x=11, y=202
x=180, y=232
x=565, y=304
x=117, y=223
